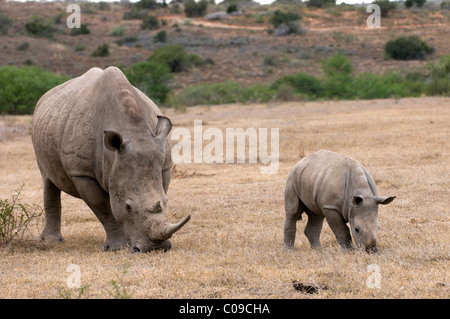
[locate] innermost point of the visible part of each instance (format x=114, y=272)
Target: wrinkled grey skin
x=339, y=189
x=98, y=138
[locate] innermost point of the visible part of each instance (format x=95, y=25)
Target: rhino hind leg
x=98, y=201
x=313, y=229
x=293, y=209
x=52, y=208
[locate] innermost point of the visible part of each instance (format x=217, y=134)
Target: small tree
x=289, y=19
x=407, y=48
x=385, y=6
x=151, y=78
x=101, y=51
x=150, y=22
x=321, y=3
x=418, y=3
x=195, y=9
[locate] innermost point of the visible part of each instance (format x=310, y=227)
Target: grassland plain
x=232, y=247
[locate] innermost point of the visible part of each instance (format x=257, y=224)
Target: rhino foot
x=111, y=245
x=51, y=237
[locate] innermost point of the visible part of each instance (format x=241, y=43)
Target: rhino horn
x=170, y=228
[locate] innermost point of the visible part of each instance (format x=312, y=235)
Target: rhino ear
x=115, y=142
x=383, y=200
x=163, y=127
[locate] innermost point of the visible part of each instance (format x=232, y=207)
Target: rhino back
x=326, y=179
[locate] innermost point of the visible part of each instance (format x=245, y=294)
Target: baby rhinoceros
x=339, y=189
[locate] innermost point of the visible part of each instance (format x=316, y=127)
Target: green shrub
x=15, y=217
x=418, y=3
x=101, y=51
x=150, y=22
x=151, y=78
x=407, y=48
x=232, y=8
x=292, y=20
x=5, y=23
x=321, y=3
x=225, y=93
x=127, y=39
x=338, y=64
x=195, y=9
x=22, y=87
x=210, y=94
x=79, y=47
x=302, y=83
x=40, y=27
x=445, y=5
x=118, y=30
x=173, y=56
x=83, y=29
x=385, y=6
x=161, y=36
x=439, y=83
x=135, y=14
x=147, y=4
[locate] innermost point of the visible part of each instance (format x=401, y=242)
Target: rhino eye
x=357, y=229
x=128, y=208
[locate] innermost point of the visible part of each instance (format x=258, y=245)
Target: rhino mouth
x=148, y=246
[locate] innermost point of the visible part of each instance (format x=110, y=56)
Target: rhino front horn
x=172, y=228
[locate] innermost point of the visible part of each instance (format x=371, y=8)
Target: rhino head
x=137, y=195
x=364, y=219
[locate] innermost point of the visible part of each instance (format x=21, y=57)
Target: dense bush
x=321, y=3
x=151, y=78
x=407, y=48
x=150, y=22
x=147, y=4
x=173, y=56
x=118, y=30
x=101, y=51
x=176, y=58
x=338, y=64
x=5, y=23
x=290, y=19
x=161, y=36
x=83, y=29
x=40, y=27
x=439, y=83
x=195, y=9
x=22, y=87
x=418, y=3
x=302, y=83
x=385, y=6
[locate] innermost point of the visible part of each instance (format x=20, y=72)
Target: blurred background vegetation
x=157, y=29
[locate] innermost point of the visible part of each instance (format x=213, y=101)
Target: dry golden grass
x=232, y=246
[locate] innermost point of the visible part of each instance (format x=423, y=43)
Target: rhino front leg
x=98, y=201
x=339, y=228
x=313, y=229
x=52, y=208
x=293, y=213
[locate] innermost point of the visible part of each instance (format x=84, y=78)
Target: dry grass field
x=232, y=247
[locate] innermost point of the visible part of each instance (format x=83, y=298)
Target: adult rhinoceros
x=98, y=138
